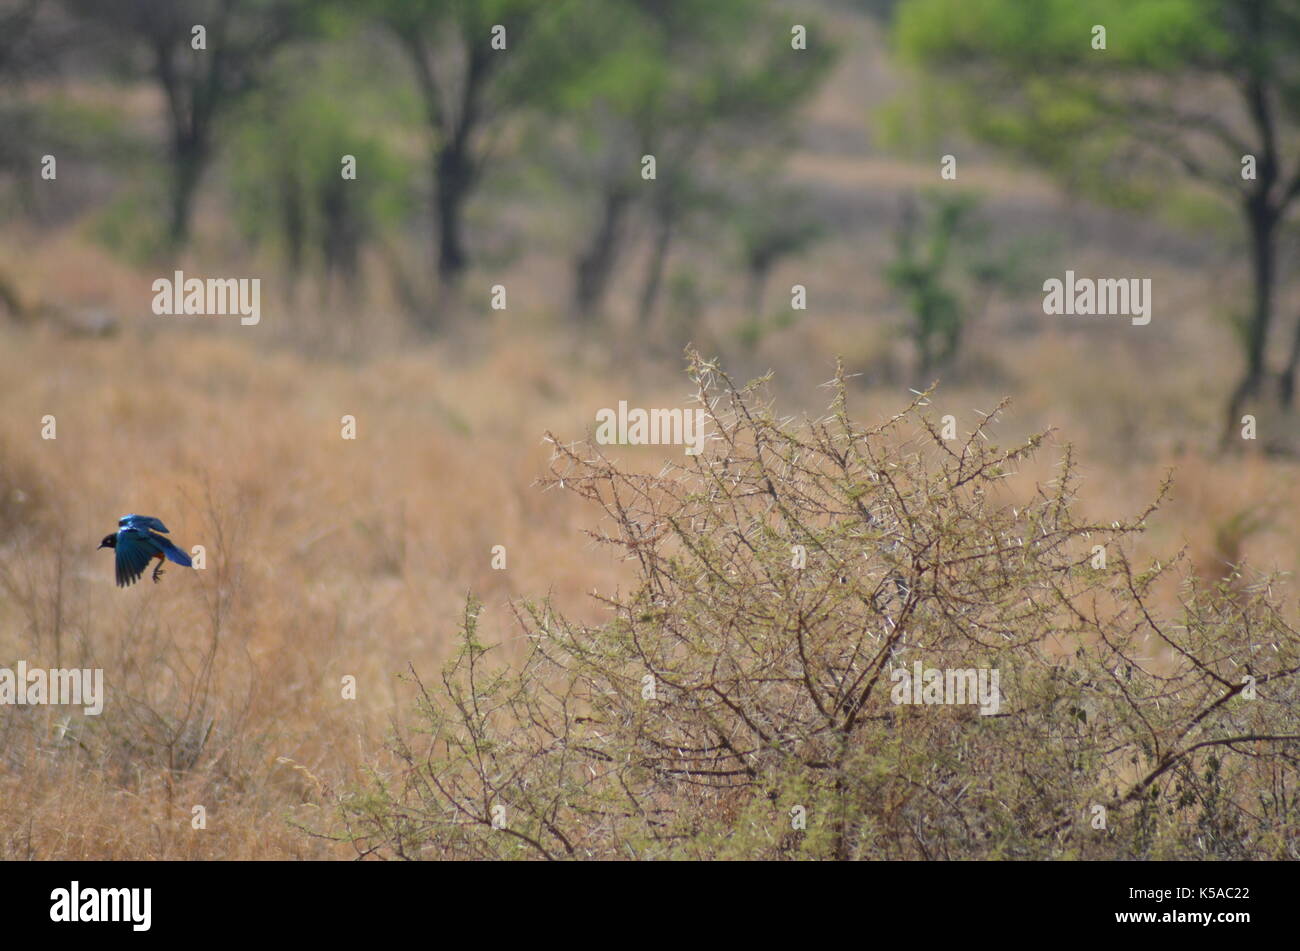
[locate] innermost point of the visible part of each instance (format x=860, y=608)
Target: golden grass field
x=330, y=558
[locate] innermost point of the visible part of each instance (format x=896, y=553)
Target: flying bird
x=137, y=542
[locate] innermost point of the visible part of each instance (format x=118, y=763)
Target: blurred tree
x=948, y=271
x=28, y=45
x=17, y=28
x=771, y=228
x=882, y=10
x=699, y=84
x=287, y=168
x=16, y=24
x=921, y=275
x=199, y=85
x=1210, y=88
x=598, y=256
x=469, y=88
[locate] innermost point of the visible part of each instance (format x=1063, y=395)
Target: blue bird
x=137, y=542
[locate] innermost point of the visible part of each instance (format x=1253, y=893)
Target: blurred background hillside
x=797, y=212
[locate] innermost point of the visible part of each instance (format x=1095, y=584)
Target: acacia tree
x=199, y=86
x=1199, y=88
x=702, y=85
x=469, y=88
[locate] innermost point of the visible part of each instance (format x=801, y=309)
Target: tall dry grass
x=331, y=558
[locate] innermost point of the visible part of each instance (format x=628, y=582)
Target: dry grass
x=326, y=558
x=331, y=558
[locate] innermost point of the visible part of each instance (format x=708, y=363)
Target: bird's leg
x=157, y=570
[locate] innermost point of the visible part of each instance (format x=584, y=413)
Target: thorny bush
x=736, y=705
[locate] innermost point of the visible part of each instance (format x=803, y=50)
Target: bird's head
x=110, y=541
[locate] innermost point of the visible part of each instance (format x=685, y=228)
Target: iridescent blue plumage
x=136, y=543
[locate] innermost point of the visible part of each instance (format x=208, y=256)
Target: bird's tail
x=175, y=554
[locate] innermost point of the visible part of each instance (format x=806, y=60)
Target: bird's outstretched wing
x=142, y=522
x=134, y=549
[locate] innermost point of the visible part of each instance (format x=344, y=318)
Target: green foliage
x=75, y=132
x=919, y=274
x=770, y=224
x=732, y=693
x=1180, y=90
x=706, y=87
x=687, y=61
x=131, y=226
x=775, y=228
x=547, y=46
x=154, y=40
x=1025, y=77
x=286, y=167
x=1055, y=35
x=944, y=266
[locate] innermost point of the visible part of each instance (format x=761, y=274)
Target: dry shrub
x=734, y=705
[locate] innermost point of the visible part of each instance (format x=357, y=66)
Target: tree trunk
x=452, y=184
x=189, y=156
x=1262, y=227
x=1262, y=218
x=293, y=221
x=595, y=265
x=759, y=272
x=1286, y=385
x=457, y=170
x=655, y=269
